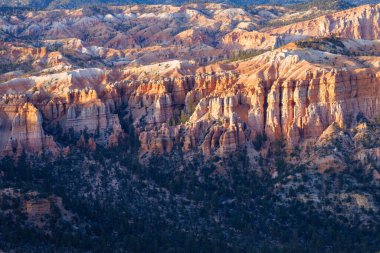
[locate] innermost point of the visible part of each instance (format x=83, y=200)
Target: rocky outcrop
x=39, y=209
x=25, y=121
x=158, y=141
x=244, y=40
x=290, y=97
x=27, y=134
x=187, y=103
x=280, y=93
x=83, y=111
x=358, y=23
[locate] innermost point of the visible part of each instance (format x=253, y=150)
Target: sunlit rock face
x=27, y=134
x=204, y=78
x=358, y=23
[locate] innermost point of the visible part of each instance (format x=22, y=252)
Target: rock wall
x=297, y=109
x=357, y=23
x=27, y=134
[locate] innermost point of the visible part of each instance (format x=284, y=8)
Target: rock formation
x=179, y=86
x=358, y=23
x=27, y=133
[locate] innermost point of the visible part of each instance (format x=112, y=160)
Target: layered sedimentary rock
x=243, y=40
x=27, y=134
x=170, y=91
x=358, y=23
x=25, y=120
x=85, y=112
x=283, y=96
x=124, y=35
x=285, y=92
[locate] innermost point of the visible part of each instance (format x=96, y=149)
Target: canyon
x=209, y=104
x=205, y=127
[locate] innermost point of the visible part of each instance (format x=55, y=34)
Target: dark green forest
x=173, y=205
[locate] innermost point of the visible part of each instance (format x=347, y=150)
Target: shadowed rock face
x=203, y=106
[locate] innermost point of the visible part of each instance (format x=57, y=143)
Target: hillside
x=78, y=3
x=324, y=5
x=350, y=24
x=201, y=127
